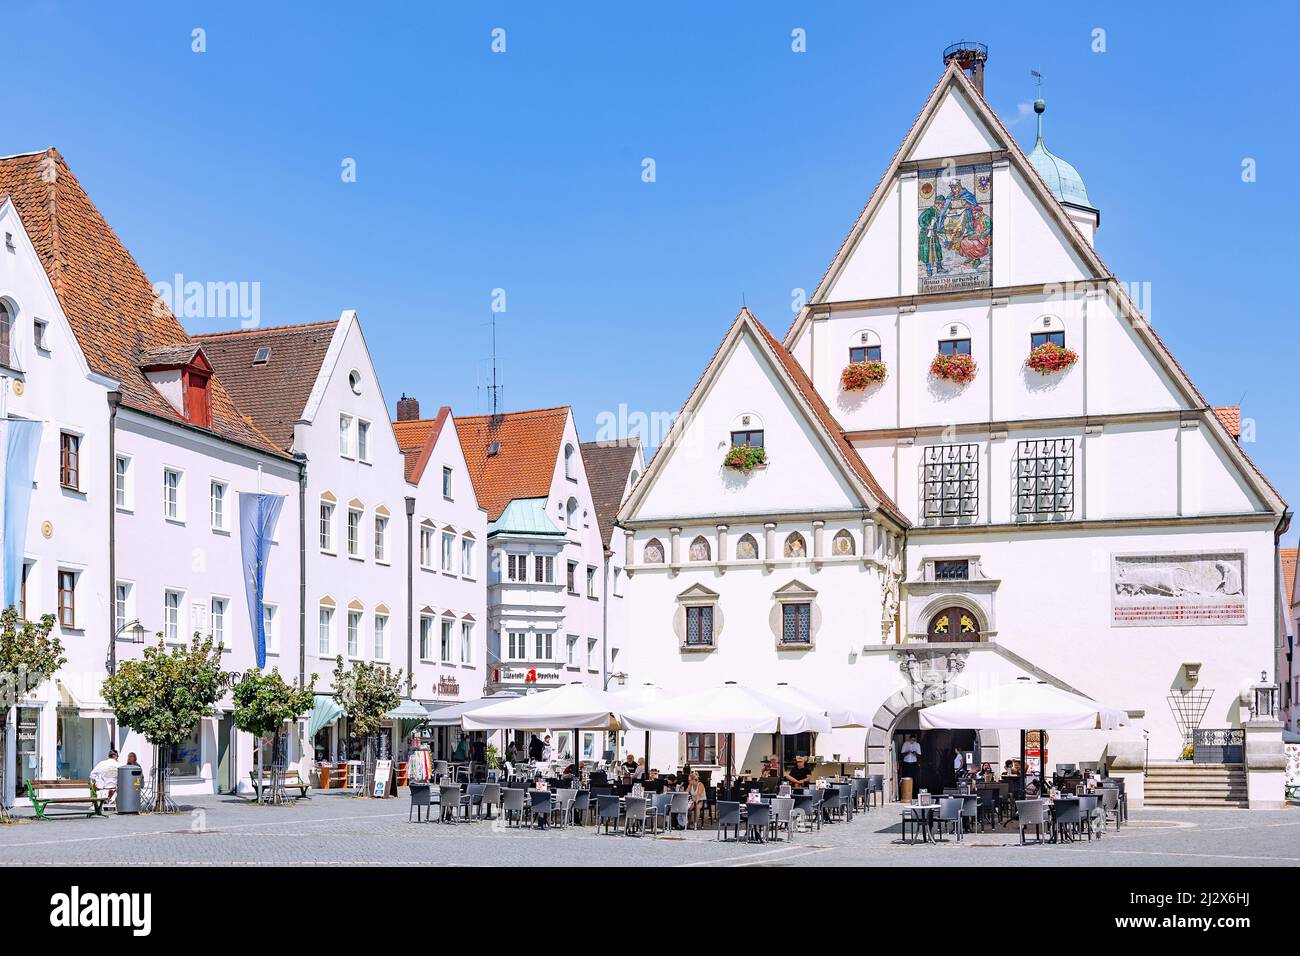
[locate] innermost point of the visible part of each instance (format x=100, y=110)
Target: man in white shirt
x=104, y=775
x=910, y=756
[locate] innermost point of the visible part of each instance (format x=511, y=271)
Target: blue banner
x=22, y=443
x=258, y=514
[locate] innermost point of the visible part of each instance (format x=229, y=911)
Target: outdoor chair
x=440, y=768
x=832, y=804
x=728, y=817
x=581, y=804
x=970, y=810
x=512, y=805
x=859, y=792
x=876, y=787
x=1110, y=804
x=491, y=797
x=657, y=811
x=475, y=793
x=803, y=811
x=1067, y=814
x=917, y=821
x=679, y=809
x=541, y=806
x=951, y=812
x=783, y=817
x=420, y=797
x=1093, y=817
x=1031, y=813
x=759, y=819
x=988, y=808
x=607, y=811
x=635, y=816
x=452, y=803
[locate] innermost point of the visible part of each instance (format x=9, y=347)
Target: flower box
x=744, y=458
x=859, y=375
x=953, y=368
x=1049, y=358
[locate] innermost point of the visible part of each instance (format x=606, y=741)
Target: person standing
x=910, y=757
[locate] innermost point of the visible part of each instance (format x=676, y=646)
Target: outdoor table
x=927, y=813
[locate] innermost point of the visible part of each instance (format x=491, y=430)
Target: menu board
x=383, y=770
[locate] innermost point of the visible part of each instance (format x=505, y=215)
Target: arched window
x=653, y=552
x=6, y=331
x=570, y=463
x=864, y=347
x=794, y=546
x=1047, y=328
x=954, y=340
x=953, y=624
x=700, y=549
x=843, y=545
x=746, y=548
x=571, y=513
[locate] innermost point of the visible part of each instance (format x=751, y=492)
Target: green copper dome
x=1062, y=179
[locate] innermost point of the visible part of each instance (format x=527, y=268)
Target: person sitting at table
x=769, y=783
x=654, y=783
x=986, y=772
x=800, y=773
x=698, y=798
x=461, y=753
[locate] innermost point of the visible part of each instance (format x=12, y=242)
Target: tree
x=28, y=658
x=164, y=694
x=367, y=691
x=263, y=702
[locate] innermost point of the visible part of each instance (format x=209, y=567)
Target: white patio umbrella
x=1023, y=704
x=634, y=698
x=840, y=715
x=573, y=705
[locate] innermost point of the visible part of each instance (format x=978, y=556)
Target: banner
x=22, y=443
x=258, y=514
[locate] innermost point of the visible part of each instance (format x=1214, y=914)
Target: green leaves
x=165, y=693
x=366, y=691
x=28, y=655
x=264, y=701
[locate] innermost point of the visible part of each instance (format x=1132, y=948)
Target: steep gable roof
x=524, y=463
x=273, y=393
x=801, y=388
x=608, y=465
x=108, y=300
x=1288, y=556
x=416, y=438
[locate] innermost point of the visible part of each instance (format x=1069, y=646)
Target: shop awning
x=326, y=711
x=89, y=709
x=408, y=710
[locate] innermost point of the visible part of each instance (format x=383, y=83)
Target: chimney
x=408, y=409
x=970, y=56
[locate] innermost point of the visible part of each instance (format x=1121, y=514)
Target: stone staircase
x=1184, y=784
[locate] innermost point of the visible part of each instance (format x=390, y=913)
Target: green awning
x=408, y=710
x=326, y=711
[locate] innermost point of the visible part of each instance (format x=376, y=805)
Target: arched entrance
x=899, y=716
x=953, y=623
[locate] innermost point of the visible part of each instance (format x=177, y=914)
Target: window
x=466, y=642
x=653, y=552
x=172, y=495
x=796, y=623
x=701, y=749
x=591, y=654
x=699, y=626
x=426, y=638
x=753, y=437
x=69, y=460
x=325, y=632
x=544, y=569
x=262, y=355
x=954, y=346
x=122, y=482
x=271, y=628
x=327, y=527
x=363, y=441
x=1042, y=338
x=444, y=642
x=570, y=463
x=571, y=513
x=573, y=577
x=39, y=330
x=426, y=548
x=219, y=620
x=517, y=568
x=448, y=548
x=381, y=637
x=354, y=381
x=1045, y=478
x=186, y=758
x=345, y=436
x=953, y=624
x=354, y=533
x=354, y=633
x=217, y=505
x=6, y=325
x=618, y=582
x=543, y=647
x=516, y=645
x=446, y=482
x=121, y=607
x=746, y=548
x=699, y=550
x=951, y=570
x=591, y=582
x=571, y=650
x=22, y=591
x=864, y=353
x=467, y=557
x=950, y=481
x=795, y=546
x=381, y=539
x=172, y=601
x=67, y=598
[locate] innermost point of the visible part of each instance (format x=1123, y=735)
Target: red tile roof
x=274, y=393
x=525, y=462
x=607, y=467
x=106, y=296
x=416, y=437
x=1288, y=573
x=1230, y=416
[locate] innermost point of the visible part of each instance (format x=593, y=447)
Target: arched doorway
x=898, y=717
x=953, y=623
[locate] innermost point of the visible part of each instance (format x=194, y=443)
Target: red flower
x=858, y=375
x=1049, y=358
x=954, y=368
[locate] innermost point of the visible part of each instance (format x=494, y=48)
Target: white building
x=1096, y=526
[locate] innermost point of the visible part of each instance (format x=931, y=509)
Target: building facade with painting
x=979, y=463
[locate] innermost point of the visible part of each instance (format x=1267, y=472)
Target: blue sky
x=522, y=170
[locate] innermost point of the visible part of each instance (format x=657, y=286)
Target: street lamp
x=130, y=633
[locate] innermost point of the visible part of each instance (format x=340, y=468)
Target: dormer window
x=182, y=375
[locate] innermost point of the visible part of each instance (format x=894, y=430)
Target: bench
x=44, y=793
x=290, y=779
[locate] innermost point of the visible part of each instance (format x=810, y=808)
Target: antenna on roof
x=494, y=389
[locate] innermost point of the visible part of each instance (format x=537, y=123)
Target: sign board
x=383, y=770
x=530, y=676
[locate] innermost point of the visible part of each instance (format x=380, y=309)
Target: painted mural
x=955, y=228
x=1175, y=589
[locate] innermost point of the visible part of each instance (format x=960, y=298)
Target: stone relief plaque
x=1156, y=590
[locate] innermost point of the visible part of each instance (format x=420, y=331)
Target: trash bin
x=130, y=784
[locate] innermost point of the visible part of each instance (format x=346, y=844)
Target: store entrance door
x=226, y=782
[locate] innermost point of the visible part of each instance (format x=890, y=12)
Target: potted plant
x=953, y=368
x=744, y=458
x=859, y=375
x=1049, y=358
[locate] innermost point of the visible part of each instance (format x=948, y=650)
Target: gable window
x=426, y=638
x=571, y=513
x=699, y=626
x=122, y=482
x=217, y=493
x=467, y=642
x=354, y=533
x=753, y=437
x=570, y=466
x=653, y=553
x=6, y=333
x=172, y=601
x=381, y=637
x=172, y=510
x=544, y=569
x=363, y=440
x=354, y=633
x=345, y=436
x=67, y=598
x=70, y=460
x=446, y=482
x=325, y=632
x=40, y=329
x=699, y=550
x=381, y=539
x=796, y=623
x=327, y=527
